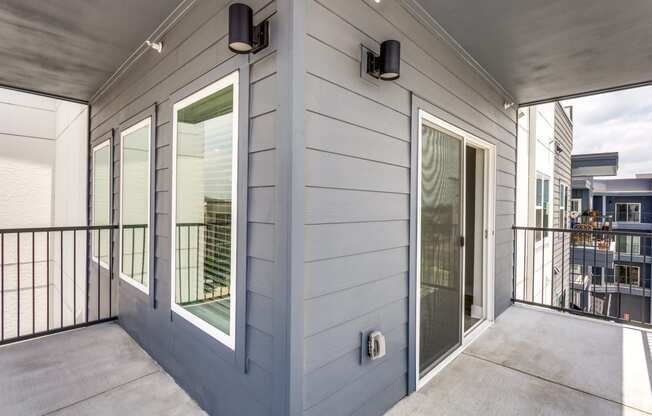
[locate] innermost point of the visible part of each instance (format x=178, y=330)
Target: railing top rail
x=579, y=230
x=56, y=229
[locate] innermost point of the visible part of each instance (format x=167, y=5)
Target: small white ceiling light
x=157, y=46
x=508, y=105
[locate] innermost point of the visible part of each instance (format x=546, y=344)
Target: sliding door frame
x=423, y=111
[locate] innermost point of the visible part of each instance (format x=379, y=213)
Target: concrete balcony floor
x=97, y=370
x=536, y=362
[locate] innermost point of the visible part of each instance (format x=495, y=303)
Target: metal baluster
x=99, y=274
x=33, y=290
x=188, y=261
x=133, y=251
x=617, y=279
x=644, y=250
x=563, y=268
x=552, y=273
x=18, y=283
x=47, y=277
x=61, y=277
x=110, y=259
x=89, y=240
x=177, y=276
x=2, y=286
x=142, y=267
x=606, y=304
x=515, y=231
x=583, y=265
x=595, y=254
x=197, y=262
x=533, y=261
x=543, y=266
x=74, y=276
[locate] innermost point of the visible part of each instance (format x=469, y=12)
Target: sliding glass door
x=440, y=252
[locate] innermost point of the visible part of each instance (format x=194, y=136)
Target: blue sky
x=616, y=122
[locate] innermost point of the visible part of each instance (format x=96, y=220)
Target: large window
x=628, y=212
x=205, y=147
x=628, y=275
x=134, y=204
x=101, y=201
x=542, y=205
x=628, y=244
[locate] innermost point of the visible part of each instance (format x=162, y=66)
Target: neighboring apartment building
x=543, y=192
x=621, y=272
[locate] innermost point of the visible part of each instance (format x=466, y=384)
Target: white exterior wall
x=42, y=183
x=536, y=144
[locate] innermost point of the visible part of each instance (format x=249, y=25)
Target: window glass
x=629, y=275
x=634, y=212
x=101, y=193
x=206, y=151
x=134, y=204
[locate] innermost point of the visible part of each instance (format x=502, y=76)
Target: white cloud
x=616, y=122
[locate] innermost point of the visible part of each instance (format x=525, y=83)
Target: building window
x=101, y=201
x=628, y=244
x=134, y=204
x=205, y=152
x=628, y=275
x=628, y=212
x=542, y=206
x=563, y=205
x=576, y=205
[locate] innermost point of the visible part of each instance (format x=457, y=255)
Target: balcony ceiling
x=70, y=47
x=542, y=49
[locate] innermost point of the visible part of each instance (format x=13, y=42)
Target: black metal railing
x=596, y=272
x=203, y=262
x=54, y=279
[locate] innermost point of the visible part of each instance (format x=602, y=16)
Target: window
x=542, y=206
x=101, y=201
x=205, y=148
x=576, y=205
x=628, y=275
x=628, y=212
x=628, y=244
x=134, y=204
x=563, y=205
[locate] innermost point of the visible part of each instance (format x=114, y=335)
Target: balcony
x=98, y=370
x=535, y=361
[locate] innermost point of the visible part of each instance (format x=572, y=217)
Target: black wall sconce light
x=387, y=65
x=244, y=37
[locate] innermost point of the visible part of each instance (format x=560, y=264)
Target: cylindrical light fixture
x=390, y=60
x=240, y=28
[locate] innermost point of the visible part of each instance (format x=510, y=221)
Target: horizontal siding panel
x=336, y=240
x=345, y=72
x=335, y=171
x=328, y=345
x=324, y=133
x=259, y=312
x=261, y=204
x=260, y=348
x=326, y=98
x=349, y=304
x=260, y=276
x=262, y=135
x=367, y=387
x=329, y=378
x=262, y=168
x=328, y=205
x=261, y=241
x=263, y=96
x=328, y=276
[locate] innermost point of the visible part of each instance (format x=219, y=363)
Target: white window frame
x=627, y=204
x=579, y=205
x=627, y=266
x=629, y=244
x=147, y=122
x=543, y=234
x=563, y=205
x=226, y=339
x=97, y=147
